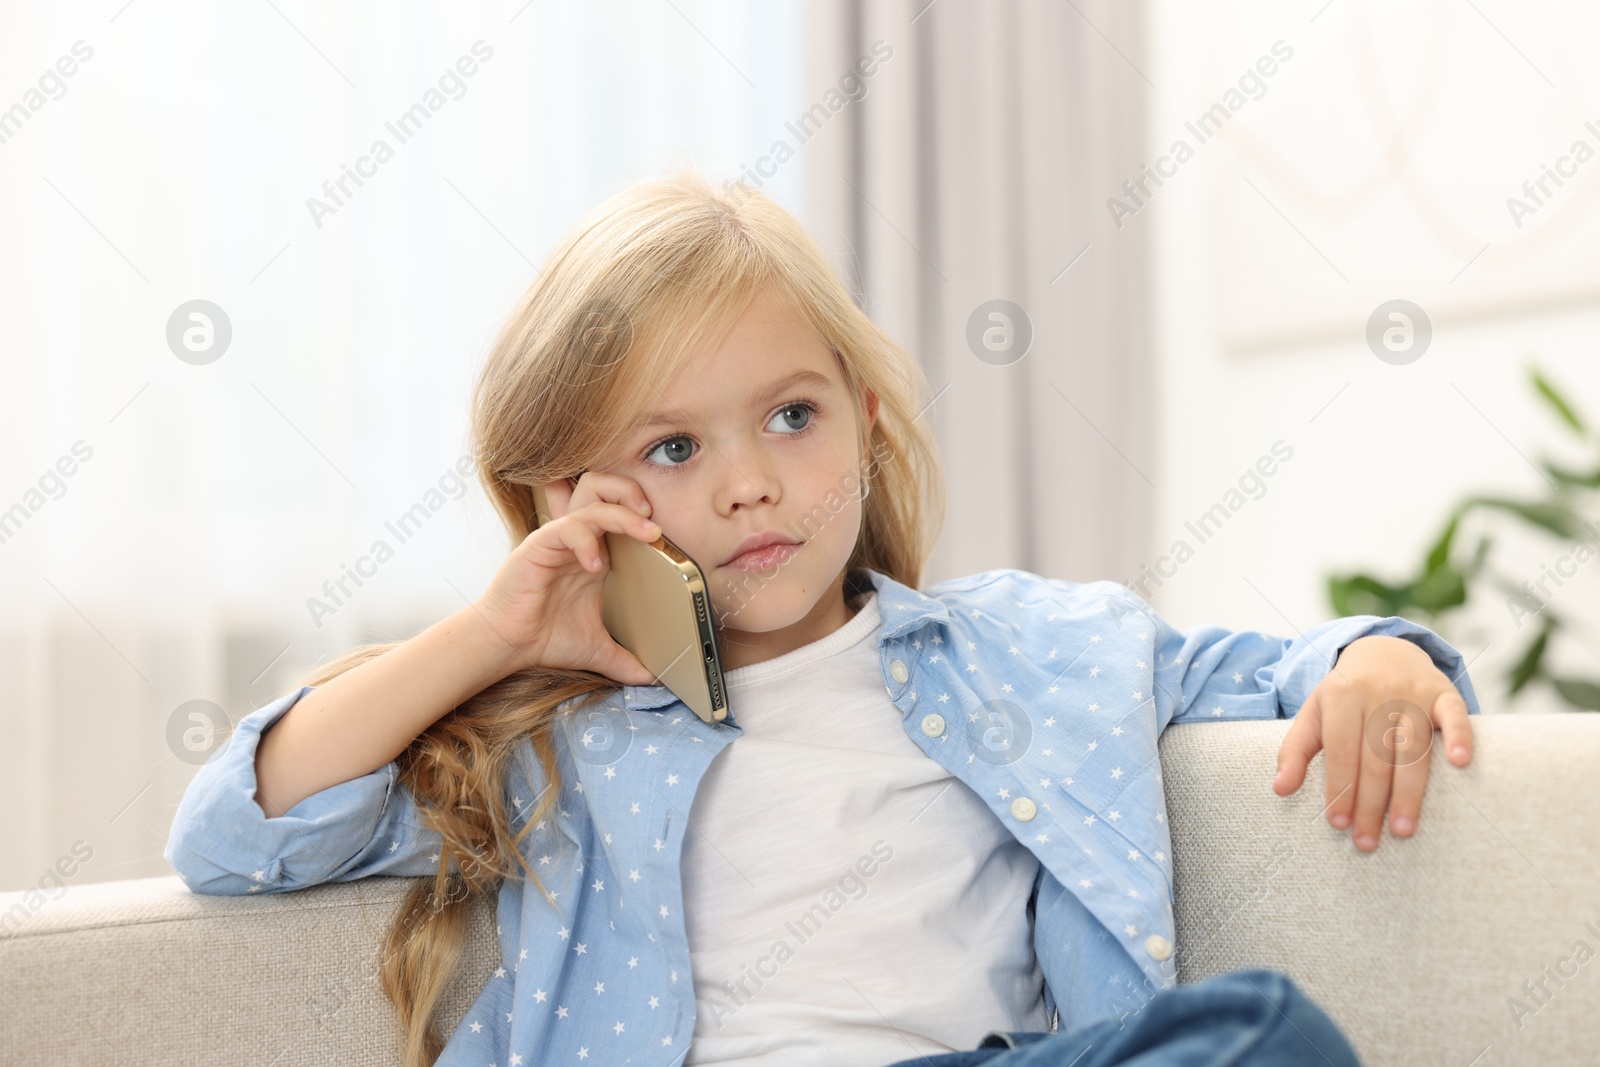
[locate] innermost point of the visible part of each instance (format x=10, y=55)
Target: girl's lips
x=763, y=558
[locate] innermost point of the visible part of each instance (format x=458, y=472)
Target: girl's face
x=759, y=436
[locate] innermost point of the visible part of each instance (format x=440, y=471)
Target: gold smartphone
x=656, y=604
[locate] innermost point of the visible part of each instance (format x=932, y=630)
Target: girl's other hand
x=1375, y=763
x=546, y=598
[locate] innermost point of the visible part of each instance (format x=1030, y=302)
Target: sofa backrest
x=1422, y=951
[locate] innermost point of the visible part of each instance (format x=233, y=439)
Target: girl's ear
x=872, y=416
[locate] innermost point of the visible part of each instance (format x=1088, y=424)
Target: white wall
x=1387, y=146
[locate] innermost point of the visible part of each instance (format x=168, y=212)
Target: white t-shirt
x=848, y=901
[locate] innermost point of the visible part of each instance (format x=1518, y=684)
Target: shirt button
x=1023, y=808
x=898, y=669
x=933, y=725
x=1158, y=947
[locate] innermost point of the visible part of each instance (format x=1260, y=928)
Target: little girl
x=940, y=838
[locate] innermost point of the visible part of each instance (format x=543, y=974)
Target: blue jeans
x=1256, y=1017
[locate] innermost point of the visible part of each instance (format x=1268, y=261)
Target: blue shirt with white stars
x=1046, y=697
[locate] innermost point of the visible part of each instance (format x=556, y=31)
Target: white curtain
x=976, y=168
x=175, y=162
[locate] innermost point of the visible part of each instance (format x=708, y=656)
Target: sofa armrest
x=1474, y=933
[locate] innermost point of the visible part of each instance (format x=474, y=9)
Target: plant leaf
x=1440, y=552
x=1556, y=401
x=1475, y=564
x=1530, y=602
x=1559, y=520
x=1362, y=594
x=1578, y=692
x=1439, y=590
x=1570, y=477
x=1529, y=664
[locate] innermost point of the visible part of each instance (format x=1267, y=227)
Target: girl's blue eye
x=807, y=408
x=671, y=442
x=678, y=443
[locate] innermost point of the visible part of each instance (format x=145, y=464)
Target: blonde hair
x=657, y=271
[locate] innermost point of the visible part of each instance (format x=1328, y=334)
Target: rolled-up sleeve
x=1244, y=674
x=1211, y=673
x=1307, y=659
x=222, y=843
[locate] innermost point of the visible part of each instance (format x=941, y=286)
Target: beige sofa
x=1421, y=950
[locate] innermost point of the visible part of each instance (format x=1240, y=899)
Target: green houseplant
x=1449, y=575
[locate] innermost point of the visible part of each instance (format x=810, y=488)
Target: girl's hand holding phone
x=546, y=598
